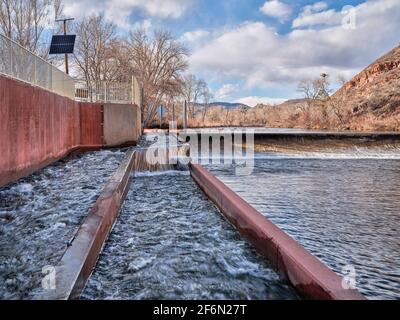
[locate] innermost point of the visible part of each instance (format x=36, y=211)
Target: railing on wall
x=20, y=63
x=108, y=91
x=103, y=91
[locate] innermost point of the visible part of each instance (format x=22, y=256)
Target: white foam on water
x=334, y=155
x=23, y=188
x=160, y=173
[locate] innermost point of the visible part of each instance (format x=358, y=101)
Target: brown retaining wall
x=38, y=127
x=310, y=277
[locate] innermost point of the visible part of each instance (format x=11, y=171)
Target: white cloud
x=119, y=11
x=330, y=17
x=316, y=7
x=162, y=8
x=195, y=38
x=313, y=15
x=277, y=9
x=145, y=24
x=252, y=101
x=225, y=92
x=254, y=53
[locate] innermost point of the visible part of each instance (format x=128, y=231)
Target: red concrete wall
x=38, y=127
x=91, y=122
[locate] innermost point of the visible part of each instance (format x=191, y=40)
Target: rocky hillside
x=368, y=102
x=372, y=98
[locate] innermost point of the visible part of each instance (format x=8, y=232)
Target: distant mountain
x=288, y=103
x=225, y=105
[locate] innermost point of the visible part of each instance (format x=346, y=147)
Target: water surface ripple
x=346, y=211
x=40, y=214
x=170, y=242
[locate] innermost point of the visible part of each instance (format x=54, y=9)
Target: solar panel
x=62, y=44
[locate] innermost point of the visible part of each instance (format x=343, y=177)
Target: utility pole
x=65, y=33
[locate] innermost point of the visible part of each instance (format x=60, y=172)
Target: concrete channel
x=307, y=275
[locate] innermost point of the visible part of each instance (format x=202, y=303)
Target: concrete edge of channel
x=309, y=276
x=78, y=261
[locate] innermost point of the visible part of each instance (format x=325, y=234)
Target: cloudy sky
x=256, y=50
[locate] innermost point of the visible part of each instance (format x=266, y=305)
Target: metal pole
x=66, y=55
x=133, y=89
x=173, y=112
x=184, y=116
x=65, y=33
x=161, y=109
x=11, y=58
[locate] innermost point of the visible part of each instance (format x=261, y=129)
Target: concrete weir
x=310, y=277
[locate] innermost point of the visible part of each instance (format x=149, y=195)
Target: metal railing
x=20, y=63
x=108, y=91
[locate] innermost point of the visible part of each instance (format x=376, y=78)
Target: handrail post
x=34, y=71
x=11, y=58
x=133, y=89
x=105, y=92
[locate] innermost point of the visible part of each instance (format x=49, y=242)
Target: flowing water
x=170, y=242
x=340, y=201
x=343, y=205
x=40, y=214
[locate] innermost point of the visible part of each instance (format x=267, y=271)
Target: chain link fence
x=20, y=63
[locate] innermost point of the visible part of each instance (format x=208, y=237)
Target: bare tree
x=207, y=96
x=323, y=85
x=24, y=21
x=158, y=61
x=337, y=103
x=192, y=90
x=96, y=48
x=315, y=89
x=188, y=88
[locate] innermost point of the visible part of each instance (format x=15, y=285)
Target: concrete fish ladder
x=80, y=258
x=309, y=276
